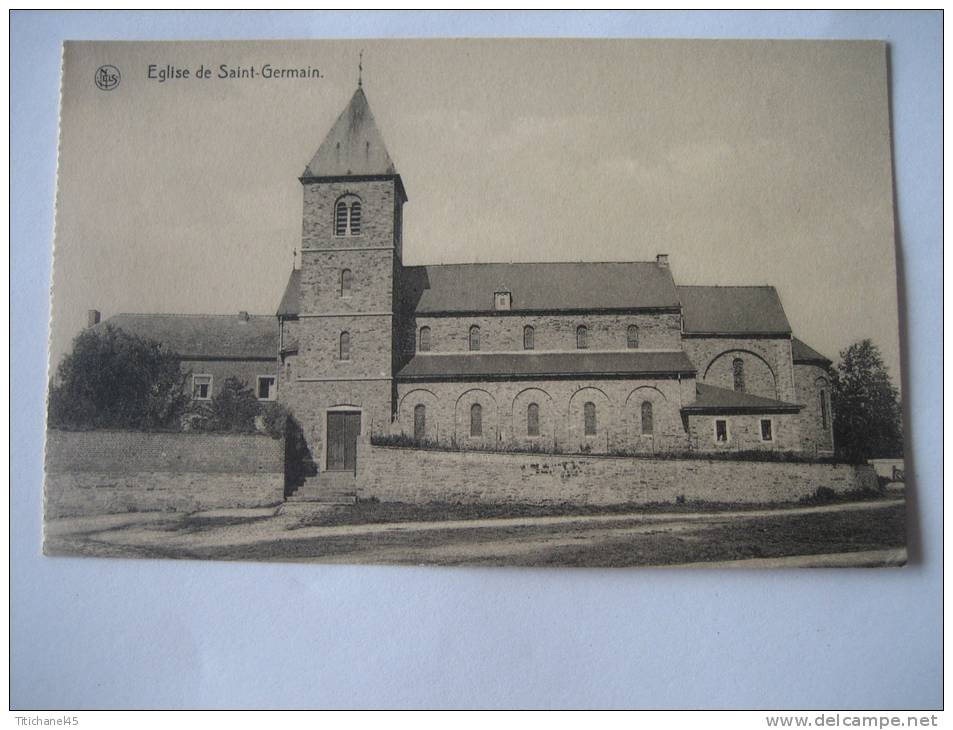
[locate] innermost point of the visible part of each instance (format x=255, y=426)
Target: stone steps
x=327, y=488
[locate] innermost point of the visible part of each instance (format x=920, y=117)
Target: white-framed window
x=266, y=387
x=722, y=432
x=767, y=429
x=202, y=387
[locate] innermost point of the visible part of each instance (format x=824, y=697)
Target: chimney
x=92, y=317
x=243, y=316
x=662, y=260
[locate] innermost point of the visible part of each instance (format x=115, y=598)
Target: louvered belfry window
x=348, y=216
x=340, y=219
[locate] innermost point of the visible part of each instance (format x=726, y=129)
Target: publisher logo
x=107, y=77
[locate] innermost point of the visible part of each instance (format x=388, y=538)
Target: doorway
x=344, y=427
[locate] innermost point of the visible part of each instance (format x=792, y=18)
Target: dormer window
x=347, y=216
x=502, y=301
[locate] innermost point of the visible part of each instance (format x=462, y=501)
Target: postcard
x=476, y=302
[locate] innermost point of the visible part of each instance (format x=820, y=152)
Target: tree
x=234, y=407
x=112, y=379
x=867, y=416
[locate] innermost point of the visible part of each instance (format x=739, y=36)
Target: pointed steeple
x=354, y=146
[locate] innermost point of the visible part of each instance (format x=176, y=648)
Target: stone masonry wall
x=561, y=412
x=744, y=432
x=713, y=356
x=414, y=475
x=102, y=472
x=810, y=381
x=378, y=201
x=504, y=332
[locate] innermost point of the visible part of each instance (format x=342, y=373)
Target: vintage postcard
x=476, y=302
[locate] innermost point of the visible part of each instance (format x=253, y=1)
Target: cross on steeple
x=360, y=69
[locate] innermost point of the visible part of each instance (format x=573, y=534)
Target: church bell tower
x=350, y=263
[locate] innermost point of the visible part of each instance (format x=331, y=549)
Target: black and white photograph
x=587, y=303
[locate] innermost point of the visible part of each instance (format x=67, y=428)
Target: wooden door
x=344, y=427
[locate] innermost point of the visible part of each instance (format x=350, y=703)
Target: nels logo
x=107, y=77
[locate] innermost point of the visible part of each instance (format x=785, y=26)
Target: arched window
x=423, y=342
x=632, y=337
x=476, y=420
x=420, y=421
x=825, y=416
x=529, y=338
x=347, y=278
x=474, y=338
x=344, y=348
x=340, y=218
x=582, y=337
x=738, y=373
x=589, y=416
x=347, y=216
x=532, y=420
x=648, y=421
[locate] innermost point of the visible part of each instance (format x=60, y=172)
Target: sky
x=748, y=162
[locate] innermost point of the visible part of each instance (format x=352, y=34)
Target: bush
x=404, y=441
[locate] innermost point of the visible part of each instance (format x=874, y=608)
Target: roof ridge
x=531, y=263
x=180, y=314
x=726, y=286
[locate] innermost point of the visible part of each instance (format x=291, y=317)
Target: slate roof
x=802, y=353
x=458, y=288
x=209, y=336
x=289, y=305
x=709, y=399
x=544, y=364
x=741, y=310
x=354, y=146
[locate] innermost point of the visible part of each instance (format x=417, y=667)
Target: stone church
x=566, y=357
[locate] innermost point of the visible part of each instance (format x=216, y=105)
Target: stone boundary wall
x=105, y=472
x=417, y=475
